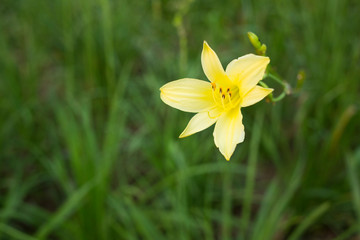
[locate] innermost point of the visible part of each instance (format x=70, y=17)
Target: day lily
x=220, y=100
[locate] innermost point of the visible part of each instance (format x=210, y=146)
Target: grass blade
x=310, y=219
x=251, y=171
x=64, y=211
x=14, y=233
x=351, y=163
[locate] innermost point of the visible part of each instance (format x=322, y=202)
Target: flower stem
x=286, y=88
x=277, y=79
x=280, y=97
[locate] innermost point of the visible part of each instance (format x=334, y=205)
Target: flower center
x=226, y=97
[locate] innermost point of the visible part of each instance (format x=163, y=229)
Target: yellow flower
x=221, y=99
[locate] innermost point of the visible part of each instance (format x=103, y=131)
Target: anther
x=213, y=85
x=223, y=96
x=230, y=94
x=228, y=90
x=220, y=91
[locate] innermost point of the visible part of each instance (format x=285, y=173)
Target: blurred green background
x=89, y=151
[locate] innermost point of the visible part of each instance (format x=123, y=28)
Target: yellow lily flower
x=221, y=99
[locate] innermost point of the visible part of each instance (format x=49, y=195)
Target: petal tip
x=264, y=58
x=162, y=88
x=206, y=45
x=227, y=156
x=267, y=59
x=182, y=135
x=162, y=97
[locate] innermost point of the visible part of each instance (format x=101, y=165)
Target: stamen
x=213, y=85
x=229, y=93
x=213, y=94
x=222, y=101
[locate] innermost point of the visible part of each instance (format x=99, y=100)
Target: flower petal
x=247, y=71
x=255, y=95
x=198, y=123
x=229, y=131
x=215, y=112
x=212, y=66
x=189, y=95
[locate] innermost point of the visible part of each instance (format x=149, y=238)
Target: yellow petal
x=212, y=66
x=255, y=95
x=229, y=131
x=247, y=71
x=198, y=123
x=189, y=95
x=215, y=112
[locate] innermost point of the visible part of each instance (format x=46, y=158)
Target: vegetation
x=89, y=151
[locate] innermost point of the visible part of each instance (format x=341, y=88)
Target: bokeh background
x=89, y=151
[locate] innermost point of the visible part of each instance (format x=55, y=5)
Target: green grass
x=89, y=151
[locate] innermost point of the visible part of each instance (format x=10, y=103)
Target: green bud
x=262, y=50
x=254, y=40
x=259, y=47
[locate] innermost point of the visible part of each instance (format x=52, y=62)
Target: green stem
x=280, y=97
x=281, y=82
x=263, y=84
x=277, y=79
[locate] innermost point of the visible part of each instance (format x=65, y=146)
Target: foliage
x=88, y=150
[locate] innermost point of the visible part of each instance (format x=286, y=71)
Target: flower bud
x=254, y=40
x=262, y=50
x=259, y=47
